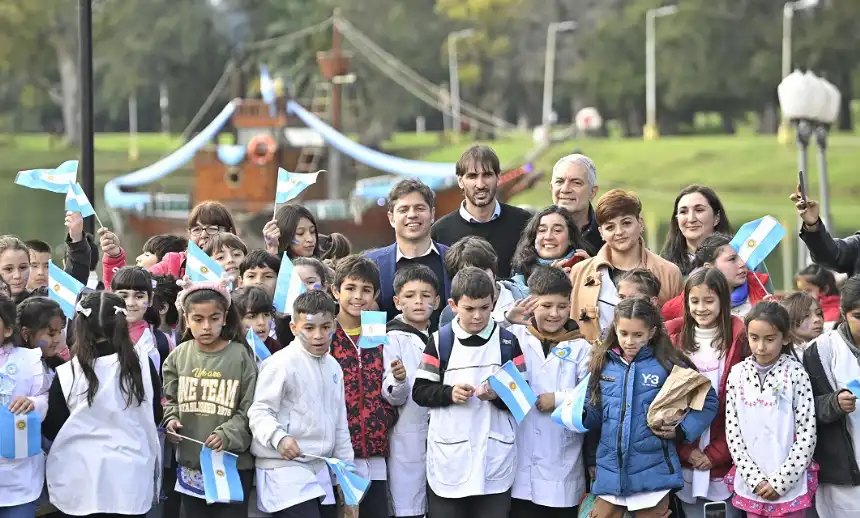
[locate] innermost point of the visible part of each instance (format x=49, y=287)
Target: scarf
x=135, y=330
x=550, y=261
x=740, y=294
x=570, y=331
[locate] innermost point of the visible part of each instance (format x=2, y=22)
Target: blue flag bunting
x=20, y=434
x=267, y=90
x=291, y=185
x=755, y=240
x=569, y=413
x=64, y=289
x=373, y=333
x=221, y=483
x=54, y=180
x=513, y=389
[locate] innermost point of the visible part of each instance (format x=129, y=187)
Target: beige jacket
x=587, y=279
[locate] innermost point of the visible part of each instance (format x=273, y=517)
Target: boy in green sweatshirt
x=209, y=382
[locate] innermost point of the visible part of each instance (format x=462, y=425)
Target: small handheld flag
x=853, y=386
x=569, y=414
x=563, y=353
x=755, y=240
x=221, y=483
x=267, y=90
x=353, y=487
x=64, y=289
x=291, y=185
x=201, y=267
x=288, y=287
x=260, y=349
x=20, y=434
x=373, y=332
x=77, y=201
x=54, y=180
x=510, y=385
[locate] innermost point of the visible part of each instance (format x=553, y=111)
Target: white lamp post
x=788, y=10
x=651, y=131
x=812, y=105
x=454, y=75
x=549, y=68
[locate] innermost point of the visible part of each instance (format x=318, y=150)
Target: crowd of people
x=123, y=424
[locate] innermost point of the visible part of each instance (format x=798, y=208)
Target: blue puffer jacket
x=630, y=458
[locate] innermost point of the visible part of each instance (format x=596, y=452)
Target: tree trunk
x=768, y=119
x=846, y=121
x=71, y=99
x=728, y=121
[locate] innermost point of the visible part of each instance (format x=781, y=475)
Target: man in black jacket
x=840, y=255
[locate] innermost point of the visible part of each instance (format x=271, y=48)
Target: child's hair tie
x=118, y=309
x=188, y=287
x=82, y=310
x=154, y=283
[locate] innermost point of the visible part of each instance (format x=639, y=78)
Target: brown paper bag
x=683, y=390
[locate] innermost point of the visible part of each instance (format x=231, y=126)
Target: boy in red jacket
x=370, y=417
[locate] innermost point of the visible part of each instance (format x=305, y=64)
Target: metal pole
x=335, y=160
x=650, y=73
x=133, y=151
x=549, y=74
x=87, y=161
x=821, y=132
x=455, y=83
x=803, y=134
x=787, y=16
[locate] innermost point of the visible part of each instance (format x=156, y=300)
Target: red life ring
x=261, y=149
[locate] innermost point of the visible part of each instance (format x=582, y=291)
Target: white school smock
x=550, y=468
x=471, y=447
x=112, y=447
x=21, y=480
x=407, y=463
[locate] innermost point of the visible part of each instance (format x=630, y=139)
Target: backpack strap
x=446, y=344
x=506, y=340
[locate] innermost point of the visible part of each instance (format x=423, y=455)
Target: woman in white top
x=103, y=408
x=23, y=399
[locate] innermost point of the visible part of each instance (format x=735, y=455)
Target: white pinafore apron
x=116, y=441
x=767, y=426
x=471, y=447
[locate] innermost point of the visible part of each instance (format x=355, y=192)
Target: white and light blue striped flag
x=569, y=413
x=201, y=267
x=267, y=90
x=64, y=289
x=353, y=487
x=77, y=201
x=54, y=180
x=260, y=350
x=755, y=240
x=291, y=185
x=510, y=385
x=221, y=483
x=563, y=353
x=373, y=333
x=288, y=287
x=20, y=434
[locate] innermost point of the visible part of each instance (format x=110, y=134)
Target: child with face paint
x=135, y=286
x=715, y=341
x=628, y=369
x=807, y=320
x=209, y=383
x=770, y=422
x=416, y=297
x=255, y=307
x=543, y=486
x=164, y=299
x=43, y=326
x=299, y=409
x=832, y=363
x=24, y=386
x=313, y=273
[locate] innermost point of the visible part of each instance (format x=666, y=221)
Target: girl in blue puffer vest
x=637, y=467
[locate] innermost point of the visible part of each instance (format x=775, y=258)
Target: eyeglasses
x=211, y=230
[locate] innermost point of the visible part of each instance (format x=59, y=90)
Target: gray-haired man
x=573, y=186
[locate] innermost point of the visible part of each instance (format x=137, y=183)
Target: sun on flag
x=20, y=434
x=755, y=240
x=64, y=289
x=201, y=267
x=54, y=180
x=513, y=389
x=291, y=185
x=221, y=483
x=373, y=333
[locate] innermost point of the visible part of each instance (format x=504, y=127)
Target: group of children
x=417, y=417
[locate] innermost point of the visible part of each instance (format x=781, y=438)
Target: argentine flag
x=221, y=482
x=201, y=267
x=755, y=240
x=20, y=434
x=353, y=486
x=267, y=90
x=510, y=385
x=260, y=349
x=64, y=289
x=373, y=333
x=77, y=201
x=291, y=185
x=54, y=180
x=569, y=414
x=288, y=287
x=563, y=353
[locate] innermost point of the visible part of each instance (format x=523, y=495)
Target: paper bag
x=683, y=390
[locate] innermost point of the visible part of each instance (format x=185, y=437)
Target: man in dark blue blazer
x=411, y=211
